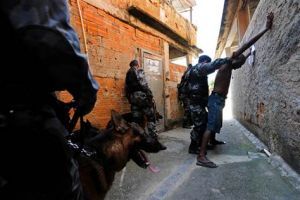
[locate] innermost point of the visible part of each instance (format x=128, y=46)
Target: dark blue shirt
x=198, y=85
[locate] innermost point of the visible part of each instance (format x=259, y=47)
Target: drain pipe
x=82, y=28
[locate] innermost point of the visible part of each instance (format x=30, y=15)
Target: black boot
x=186, y=126
x=194, y=148
x=213, y=140
x=151, y=129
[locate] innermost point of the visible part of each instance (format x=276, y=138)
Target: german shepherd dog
x=113, y=147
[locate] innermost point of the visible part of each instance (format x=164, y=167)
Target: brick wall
x=267, y=95
x=112, y=44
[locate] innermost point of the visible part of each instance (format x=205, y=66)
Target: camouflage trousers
x=199, y=119
x=141, y=108
x=187, y=118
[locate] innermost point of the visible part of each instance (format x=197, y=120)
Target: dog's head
x=121, y=141
x=142, y=140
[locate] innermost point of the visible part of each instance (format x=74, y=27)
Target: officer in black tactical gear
x=183, y=97
x=140, y=97
x=43, y=55
x=198, y=93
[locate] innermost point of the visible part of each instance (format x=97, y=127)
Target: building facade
x=114, y=32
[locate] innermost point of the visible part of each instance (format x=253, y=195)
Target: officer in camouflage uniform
x=183, y=97
x=140, y=97
x=198, y=93
x=44, y=56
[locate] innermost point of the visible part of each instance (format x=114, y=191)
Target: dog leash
x=78, y=148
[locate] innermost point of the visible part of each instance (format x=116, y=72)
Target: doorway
x=152, y=65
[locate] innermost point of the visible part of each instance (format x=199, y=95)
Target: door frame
x=161, y=58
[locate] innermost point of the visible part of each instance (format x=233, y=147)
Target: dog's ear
x=88, y=122
x=119, y=123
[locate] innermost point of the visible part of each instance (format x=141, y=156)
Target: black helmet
x=133, y=63
x=204, y=58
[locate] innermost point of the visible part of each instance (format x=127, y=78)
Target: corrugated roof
x=181, y=5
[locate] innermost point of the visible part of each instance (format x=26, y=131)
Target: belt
x=198, y=96
x=215, y=93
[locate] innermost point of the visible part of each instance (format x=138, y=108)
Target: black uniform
x=43, y=56
x=183, y=96
x=198, y=93
x=141, y=99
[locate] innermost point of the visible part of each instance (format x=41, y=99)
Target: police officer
x=183, y=97
x=140, y=97
x=43, y=56
x=198, y=93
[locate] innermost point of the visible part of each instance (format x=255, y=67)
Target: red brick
x=112, y=45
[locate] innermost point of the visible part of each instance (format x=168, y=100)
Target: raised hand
x=269, y=22
x=238, y=61
x=248, y=44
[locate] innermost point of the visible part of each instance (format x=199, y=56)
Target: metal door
x=152, y=65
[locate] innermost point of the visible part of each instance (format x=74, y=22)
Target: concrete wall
x=266, y=96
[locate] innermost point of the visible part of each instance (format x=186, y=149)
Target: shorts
x=216, y=104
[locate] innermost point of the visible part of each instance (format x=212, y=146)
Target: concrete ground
x=244, y=172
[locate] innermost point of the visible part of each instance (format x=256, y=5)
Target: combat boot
x=194, y=148
x=186, y=125
x=153, y=133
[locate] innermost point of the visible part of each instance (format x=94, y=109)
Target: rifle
x=158, y=116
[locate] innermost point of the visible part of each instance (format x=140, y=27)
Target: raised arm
x=248, y=44
x=216, y=64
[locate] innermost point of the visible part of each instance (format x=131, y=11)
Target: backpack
x=182, y=87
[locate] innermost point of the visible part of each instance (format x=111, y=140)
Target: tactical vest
x=198, y=85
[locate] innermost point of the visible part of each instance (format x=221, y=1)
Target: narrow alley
x=244, y=172
x=91, y=85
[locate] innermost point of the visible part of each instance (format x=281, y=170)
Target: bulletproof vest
x=198, y=84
